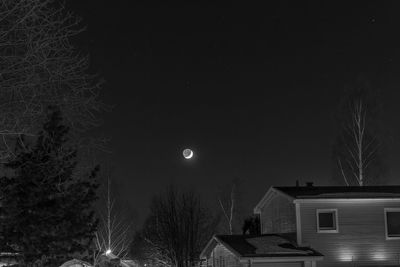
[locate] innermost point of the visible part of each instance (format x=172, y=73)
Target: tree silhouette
x=48, y=211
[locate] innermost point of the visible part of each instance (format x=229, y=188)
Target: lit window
x=327, y=221
x=392, y=219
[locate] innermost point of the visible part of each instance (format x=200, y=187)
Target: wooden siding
x=222, y=257
x=278, y=216
x=361, y=240
x=277, y=264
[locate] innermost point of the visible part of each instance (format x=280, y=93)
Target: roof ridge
x=381, y=191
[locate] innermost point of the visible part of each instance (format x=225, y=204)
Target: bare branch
x=359, y=143
x=39, y=67
x=343, y=174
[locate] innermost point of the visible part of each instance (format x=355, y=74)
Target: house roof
x=268, y=245
x=332, y=192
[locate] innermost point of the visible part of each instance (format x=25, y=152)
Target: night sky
x=252, y=89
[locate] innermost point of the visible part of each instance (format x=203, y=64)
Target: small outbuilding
x=257, y=251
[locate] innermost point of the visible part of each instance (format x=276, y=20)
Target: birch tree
x=229, y=208
x=357, y=152
x=114, y=233
x=229, y=202
x=39, y=67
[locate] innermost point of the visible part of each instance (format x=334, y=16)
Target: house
x=350, y=226
x=317, y=226
x=267, y=250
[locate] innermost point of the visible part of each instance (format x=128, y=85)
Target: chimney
x=309, y=184
x=297, y=183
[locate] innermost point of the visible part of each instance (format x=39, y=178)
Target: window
x=392, y=223
x=327, y=221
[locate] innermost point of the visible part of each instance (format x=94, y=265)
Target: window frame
x=386, y=210
x=328, y=231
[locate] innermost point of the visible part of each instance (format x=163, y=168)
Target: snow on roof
x=274, y=245
x=270, y=245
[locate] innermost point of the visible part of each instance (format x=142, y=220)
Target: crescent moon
x=188, y=153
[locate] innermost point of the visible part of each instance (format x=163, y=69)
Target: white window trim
x=336, y=217
x=386, y=230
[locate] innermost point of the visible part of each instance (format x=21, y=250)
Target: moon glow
x=187, y=153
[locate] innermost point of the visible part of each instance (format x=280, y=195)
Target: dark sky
x=252, y=89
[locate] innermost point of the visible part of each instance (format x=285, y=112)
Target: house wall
x=221, y=257
x=278, y=264
x=361, y=240
x=278, y=216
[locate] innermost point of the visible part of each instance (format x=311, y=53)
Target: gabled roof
x=332, y=192
x=268, y=245
x=271, y=193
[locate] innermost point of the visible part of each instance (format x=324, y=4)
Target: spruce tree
x=48, y=214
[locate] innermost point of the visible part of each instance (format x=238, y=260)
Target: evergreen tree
x=48, y=211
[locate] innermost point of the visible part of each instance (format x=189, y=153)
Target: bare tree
x=113, y=235
x=177, y=228
x=39, y=67
x=228, y=210
x=361, y=151
x=230, y=204
x=145, y=253
x=357, y=151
